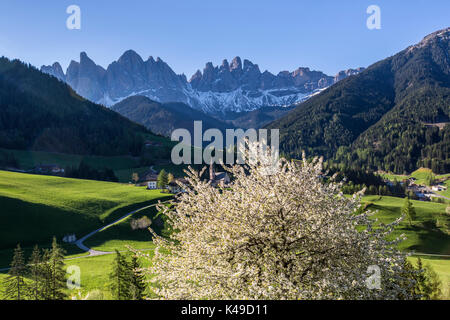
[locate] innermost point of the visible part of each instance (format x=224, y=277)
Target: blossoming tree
x=286, y=235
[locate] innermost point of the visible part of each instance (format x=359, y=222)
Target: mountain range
x=231, y=87
x=393, y=116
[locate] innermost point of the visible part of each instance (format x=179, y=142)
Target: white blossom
x=289, y=235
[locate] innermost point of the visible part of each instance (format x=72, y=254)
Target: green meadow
x=35, y=208
x=428, y=233
x=120, y=235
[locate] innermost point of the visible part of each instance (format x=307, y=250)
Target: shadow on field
x=32, y=223
x=123, y=231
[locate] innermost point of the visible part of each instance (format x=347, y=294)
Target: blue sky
x=276, y=34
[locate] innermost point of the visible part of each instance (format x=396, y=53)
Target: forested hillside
x=39, y=112
x=163, y=118
x=393, y=116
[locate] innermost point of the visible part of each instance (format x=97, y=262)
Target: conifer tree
x=46, y=275
x=408, y=210
x=120, y=278
x=58, y=274
x=14, y=285
x=35, y=268
x=428, y=284
x=162, y=179
x=137, y=279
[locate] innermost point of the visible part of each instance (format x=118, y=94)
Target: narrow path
x=92, y=252
x=79, y=243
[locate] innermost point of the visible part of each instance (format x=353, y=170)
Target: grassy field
x=94, y=273
x=121, y=235
x=421, y=176
x=427, y=234
x=35, y=208
x=45, y=206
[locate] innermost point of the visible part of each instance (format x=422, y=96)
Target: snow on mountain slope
x=235, y=86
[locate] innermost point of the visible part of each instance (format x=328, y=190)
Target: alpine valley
x=87, y=167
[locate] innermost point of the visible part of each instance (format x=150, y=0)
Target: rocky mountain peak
x=347, y=73
x=54, y=70
x=83, y=55
x=196, y=76
x=130, y=57
x=440, y=35
x=225, y=65
x=301, y=71
x=236, y=64
x=235, y=86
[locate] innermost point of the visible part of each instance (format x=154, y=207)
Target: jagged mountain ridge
x=232, y=87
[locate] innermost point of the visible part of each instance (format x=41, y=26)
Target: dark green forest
x=38, y=112
x=394, y=116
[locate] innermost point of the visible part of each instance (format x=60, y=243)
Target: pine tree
x=137, y=280
x=408, y=211
x=14, y=285
x=120, y=278
x=35, y=268
x=162, y=179
x=45, y=275
x=58, y=274
x=428, y=284
x=411, y=288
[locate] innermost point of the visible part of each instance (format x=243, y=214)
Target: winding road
x=92, y=252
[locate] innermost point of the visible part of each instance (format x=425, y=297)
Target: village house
x=152, y=184
x=148, y=179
